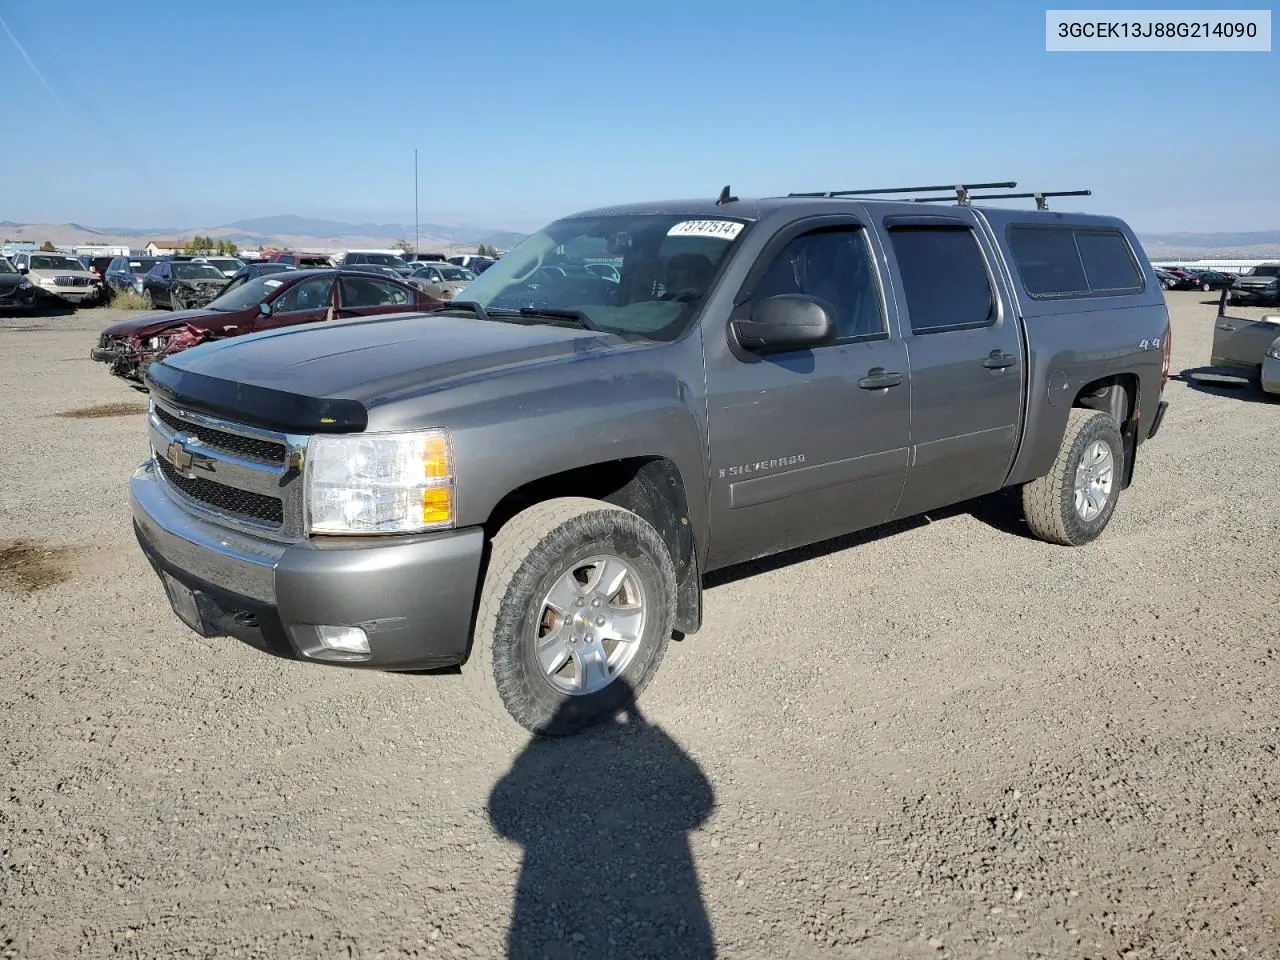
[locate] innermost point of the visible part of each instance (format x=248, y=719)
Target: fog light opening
x=343, y=640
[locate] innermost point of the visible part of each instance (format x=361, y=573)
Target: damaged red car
x=252, y=304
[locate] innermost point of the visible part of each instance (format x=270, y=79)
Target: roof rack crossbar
x=962, y=190
x=1039, y=196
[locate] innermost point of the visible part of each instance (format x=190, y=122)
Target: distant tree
x=404, y=246
x=486, y=250
x=226, y=248
x=48, y=247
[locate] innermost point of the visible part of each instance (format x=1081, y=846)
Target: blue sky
x=197, y=114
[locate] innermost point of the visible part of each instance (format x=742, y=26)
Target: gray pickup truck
x=530, y=482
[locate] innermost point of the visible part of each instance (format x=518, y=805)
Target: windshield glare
x=248, y=294
x=56, y=263
x=664, y=269
x=196, y=271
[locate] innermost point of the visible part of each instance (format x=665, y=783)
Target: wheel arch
x=652, y=487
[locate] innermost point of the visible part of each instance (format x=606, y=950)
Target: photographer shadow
x=604, y=818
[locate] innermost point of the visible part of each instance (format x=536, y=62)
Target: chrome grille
x=71, y=281
x=252, y=506
x=266, y=451
x=234, y=474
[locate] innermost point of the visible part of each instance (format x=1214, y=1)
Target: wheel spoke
x=609, y=576
x=553, y=651
x=565, y=594
x=593, y=667
x=624, y=623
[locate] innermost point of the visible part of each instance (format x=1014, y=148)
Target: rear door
x=367, y=295
x=966, y=360
x=306, y=301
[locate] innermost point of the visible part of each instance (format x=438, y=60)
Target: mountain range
x=284, y=231
x=310, y=233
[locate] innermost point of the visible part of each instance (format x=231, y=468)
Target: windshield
x=456, y=273
x=248, y=294
x=1267, y=270
x=6, y=266
x=665, y=266
x=196, y=271
x=56, y=263
x=141, y=266
x=227, y=263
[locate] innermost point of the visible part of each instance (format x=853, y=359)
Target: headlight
x=380, y=482
x=47, y=282
x=154, y=343
x=1274, y=352
x=25, y=284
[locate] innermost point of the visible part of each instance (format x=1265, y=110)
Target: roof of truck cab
x=757, y=208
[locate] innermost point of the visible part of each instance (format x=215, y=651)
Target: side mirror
x=264, y=309
x=785, y=322
x=23, y=270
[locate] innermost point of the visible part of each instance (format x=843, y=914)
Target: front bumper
x=413, y=596
x=1262, y=295
x=24, y=300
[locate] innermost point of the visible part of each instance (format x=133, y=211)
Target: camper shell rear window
x=1065, y=262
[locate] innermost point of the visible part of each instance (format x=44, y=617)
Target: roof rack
x=964, y=194
x=1041, y=202
x=962, y=190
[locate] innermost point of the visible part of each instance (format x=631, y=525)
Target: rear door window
x=360, y=292
x=944, y=278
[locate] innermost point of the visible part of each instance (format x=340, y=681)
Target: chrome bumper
x=236, y=562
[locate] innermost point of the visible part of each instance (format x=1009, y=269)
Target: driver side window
x=833, y=265
x=313, y=294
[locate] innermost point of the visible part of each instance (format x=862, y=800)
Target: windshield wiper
x=556, y=313
x=471, y=305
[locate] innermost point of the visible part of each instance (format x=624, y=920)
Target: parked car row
x=1191, y=278
x=257, y=298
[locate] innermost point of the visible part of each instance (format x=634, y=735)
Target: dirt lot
x=952, y=741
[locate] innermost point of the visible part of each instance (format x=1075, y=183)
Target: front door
x=1241, y=343
x=306, y=301
x=809, y=444
x=966, y=362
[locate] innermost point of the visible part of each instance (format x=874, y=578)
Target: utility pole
x=415, y=202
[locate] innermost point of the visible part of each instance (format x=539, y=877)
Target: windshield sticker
x=272, y=283
x=724, y=229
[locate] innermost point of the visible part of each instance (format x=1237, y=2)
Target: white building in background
x=99, y=250
x=163, y=248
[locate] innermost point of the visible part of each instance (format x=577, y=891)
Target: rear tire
x=1073, y=503
x=533, y=557
x=1206, y=287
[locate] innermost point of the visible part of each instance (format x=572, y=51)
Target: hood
x=152, y=323
x=375, y=359
x=8, y=280
x=42, y=272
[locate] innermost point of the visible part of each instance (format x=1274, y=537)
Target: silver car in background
x=441, y=280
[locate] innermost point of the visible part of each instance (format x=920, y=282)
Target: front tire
x=575, y=615
x=1206, y=287
x=1073, y=503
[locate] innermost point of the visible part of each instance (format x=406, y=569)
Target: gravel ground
x=951, y=741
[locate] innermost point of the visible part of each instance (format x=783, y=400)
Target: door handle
x=878, y=378
x=1225, y=326
x=998, y=360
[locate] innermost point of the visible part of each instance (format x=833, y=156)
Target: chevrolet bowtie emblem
x=179, y=456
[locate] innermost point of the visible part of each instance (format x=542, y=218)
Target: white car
x=1249, y=346
x=61, y=276
x=228, y=265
